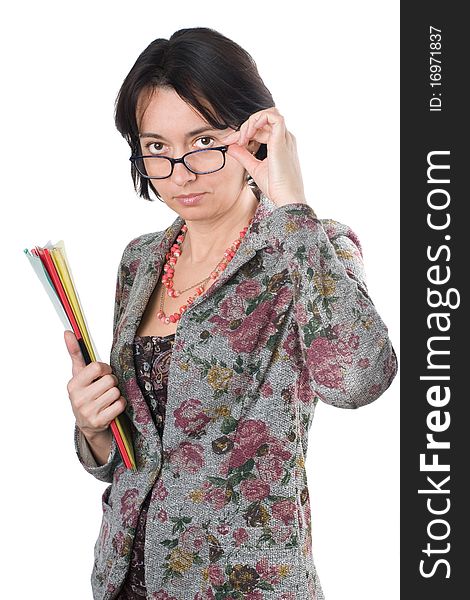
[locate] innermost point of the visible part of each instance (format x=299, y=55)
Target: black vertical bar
x=435, y=248
x=83, y=348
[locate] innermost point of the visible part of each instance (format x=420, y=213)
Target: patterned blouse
x=152, y=356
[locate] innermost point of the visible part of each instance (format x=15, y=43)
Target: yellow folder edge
x=67, y=284
x=59, y=259
x=126, y=438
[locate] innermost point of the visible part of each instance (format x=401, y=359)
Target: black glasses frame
x=174, y=161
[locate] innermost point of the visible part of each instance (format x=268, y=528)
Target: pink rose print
x=205, y=595
x=254, y=489
x=215, y=496
x=375, y=389
x=292, y=348
x=104, y=535
x=280, y=533
x=276, y=448
x=122, y=544
x=322, y=360
x=216, y=575
x=230, y=310
x=240, y=536
x=133, y=394
x=159, y=491
x=162, y=516
x=304, y=384
x=301, y=314
x=162, y=595
x=118, y=472
x=268, y=572
x=250, y=435
x=270, y=467
x=190, y=417
x=248, y=289
x=308, y=544
x=353, y=341
x=187, y=457
x=223, y=528
x=129, y=512
x=284, y=511
x=133, y=266
x=192, y=539
x=390, y=366
x=254, y=329
x=266, y=390
x=254, y=595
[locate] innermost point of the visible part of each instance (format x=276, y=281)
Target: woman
x=229, y=325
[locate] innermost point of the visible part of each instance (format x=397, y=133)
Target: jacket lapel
x=147, y=276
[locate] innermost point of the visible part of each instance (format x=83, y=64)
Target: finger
x=234, y=136
x=78, y=362
x=110, y=412
x=260, y=127
x=231, y=137
x=254, y=123
x=94, y=373
x=260, y=135
x=103, y=401
x=246, y=127
x=244, y=157
x=100, y=385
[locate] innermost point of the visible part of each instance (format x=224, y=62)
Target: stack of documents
x=51, y=266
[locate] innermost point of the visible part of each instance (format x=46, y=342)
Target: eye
x=152, y=147
x=205, y=145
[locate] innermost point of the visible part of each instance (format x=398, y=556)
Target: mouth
x=190, y=199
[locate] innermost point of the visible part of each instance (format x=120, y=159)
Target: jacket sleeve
x=103, y=472
x=347, y=357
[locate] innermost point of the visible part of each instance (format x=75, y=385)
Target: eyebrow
x=188, y=135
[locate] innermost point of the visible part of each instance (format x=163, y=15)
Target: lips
x=190, y=195
x=190, y=199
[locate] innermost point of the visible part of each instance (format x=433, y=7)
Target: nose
x=181, y=174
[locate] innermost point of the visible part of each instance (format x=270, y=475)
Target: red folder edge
x=48, y=263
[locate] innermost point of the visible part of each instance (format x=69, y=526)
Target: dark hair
x=208, y=71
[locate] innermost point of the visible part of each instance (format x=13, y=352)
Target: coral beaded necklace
x=167, y=278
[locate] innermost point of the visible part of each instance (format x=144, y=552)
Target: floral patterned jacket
x=288, y=322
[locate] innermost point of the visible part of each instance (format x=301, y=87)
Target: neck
x=207, y=240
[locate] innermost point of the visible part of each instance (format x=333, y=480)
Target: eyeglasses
x=200, y=162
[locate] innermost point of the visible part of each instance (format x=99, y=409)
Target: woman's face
x=164, y=126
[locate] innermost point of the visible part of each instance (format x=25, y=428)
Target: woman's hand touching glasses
x=278, y=176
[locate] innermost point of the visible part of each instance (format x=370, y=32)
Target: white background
x=333, y=71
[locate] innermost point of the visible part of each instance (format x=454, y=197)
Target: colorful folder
x=52, y=268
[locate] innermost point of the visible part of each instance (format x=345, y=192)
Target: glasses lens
x=205, y=161
x=153, y=166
